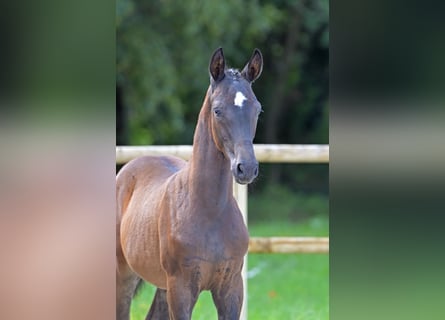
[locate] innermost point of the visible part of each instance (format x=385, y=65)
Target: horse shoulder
x=236, y=230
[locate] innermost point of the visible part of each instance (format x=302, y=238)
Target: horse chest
x=215, y=239
x=209, y=255
x=222, y=242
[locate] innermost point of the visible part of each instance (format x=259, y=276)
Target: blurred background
x=163, y=51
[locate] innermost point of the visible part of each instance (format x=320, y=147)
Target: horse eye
x=218, y=112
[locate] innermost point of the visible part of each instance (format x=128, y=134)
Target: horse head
x=234, y=113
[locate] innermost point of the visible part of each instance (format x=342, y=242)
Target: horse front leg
x=228, y=298
x=181, y=296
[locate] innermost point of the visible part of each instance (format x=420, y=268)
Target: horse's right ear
x=217, y=65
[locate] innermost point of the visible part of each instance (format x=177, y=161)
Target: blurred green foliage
x=163, y=49
x=278, y=202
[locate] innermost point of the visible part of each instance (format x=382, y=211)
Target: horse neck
x=209, y=173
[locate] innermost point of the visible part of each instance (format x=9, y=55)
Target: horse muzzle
x=244, y=164
x=245, y=172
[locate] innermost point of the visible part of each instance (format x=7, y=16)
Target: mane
x=235, y=74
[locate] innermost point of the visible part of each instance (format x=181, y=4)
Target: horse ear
x=253, y=68
x=217, y=65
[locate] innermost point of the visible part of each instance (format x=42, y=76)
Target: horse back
x=144, y=174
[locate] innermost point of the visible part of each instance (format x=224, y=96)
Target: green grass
x=280, y=286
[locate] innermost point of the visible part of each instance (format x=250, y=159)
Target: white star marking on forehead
x=239, y=99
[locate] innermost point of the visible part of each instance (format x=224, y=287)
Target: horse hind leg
x=127, y=283
x=159, y=306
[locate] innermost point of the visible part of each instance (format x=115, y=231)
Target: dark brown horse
x=178, y=225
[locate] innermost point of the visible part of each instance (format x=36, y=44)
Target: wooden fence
x=289, y=245
x=282, y=153
x=264, y=153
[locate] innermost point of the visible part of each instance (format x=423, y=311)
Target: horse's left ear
x=253, y=68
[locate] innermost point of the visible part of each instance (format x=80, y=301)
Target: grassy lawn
x=280, y=286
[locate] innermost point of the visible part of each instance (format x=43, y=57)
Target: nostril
x=256, y=172
x=240, y=168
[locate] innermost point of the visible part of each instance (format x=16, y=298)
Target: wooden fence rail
x=289, y=245
x=283, y=153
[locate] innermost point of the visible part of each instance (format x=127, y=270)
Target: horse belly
x=140, y=244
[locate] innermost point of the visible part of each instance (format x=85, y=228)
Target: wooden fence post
x=240, y=194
